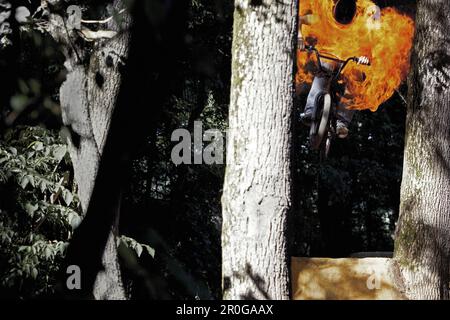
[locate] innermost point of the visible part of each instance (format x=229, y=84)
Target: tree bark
x=257, y=189
x=422, y=243
x=88, y=97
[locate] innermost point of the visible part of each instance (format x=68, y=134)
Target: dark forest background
x=344, y=205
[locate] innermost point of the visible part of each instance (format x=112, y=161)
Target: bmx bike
x=324, y=115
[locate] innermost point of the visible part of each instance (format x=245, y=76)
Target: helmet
x=373, y=16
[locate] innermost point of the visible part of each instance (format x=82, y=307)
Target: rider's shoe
x=341, y=129
x=306, y=118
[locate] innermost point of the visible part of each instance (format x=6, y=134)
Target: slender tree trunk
x=257, y=189
x=422, y=243
x=88, y=97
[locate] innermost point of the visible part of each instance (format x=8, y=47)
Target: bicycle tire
x=319, y=130
x=325, y=149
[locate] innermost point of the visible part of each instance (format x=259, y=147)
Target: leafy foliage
x=136, y=246
x=39, y=210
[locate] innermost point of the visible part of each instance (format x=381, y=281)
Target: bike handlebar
x=360, y=60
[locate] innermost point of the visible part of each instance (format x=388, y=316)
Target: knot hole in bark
x=109, y=61
x=99, y=79
x=256, y=3
x=226, y=283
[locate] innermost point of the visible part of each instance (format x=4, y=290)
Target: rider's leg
x=344, y=117
x=320, y=85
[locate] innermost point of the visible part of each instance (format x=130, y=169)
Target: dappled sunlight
x=342, y=279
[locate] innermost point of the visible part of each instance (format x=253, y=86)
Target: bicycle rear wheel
x=319, y=127
x=325, y=149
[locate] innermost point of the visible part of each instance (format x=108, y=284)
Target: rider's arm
x=300, y=40
x=303, y=19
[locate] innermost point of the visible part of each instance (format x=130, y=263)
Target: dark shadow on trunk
x=156, y=42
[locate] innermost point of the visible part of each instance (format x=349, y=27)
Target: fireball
x=385, y=36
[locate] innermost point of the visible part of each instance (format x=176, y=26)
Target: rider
x=344, y=116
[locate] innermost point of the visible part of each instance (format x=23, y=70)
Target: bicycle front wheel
x=319, y=128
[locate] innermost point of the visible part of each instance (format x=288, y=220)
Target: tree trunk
x=88, y=97
x=257, y=188
x=422, y=243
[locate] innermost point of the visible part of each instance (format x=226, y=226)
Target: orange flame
x=386, y=41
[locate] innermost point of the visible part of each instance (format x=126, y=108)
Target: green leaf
x=31, y=209
x=38, y=146
x=150, y=250
x=13, y=151
x=27, y=269
x=43, y=185
x=48, y=252
x=74, y=219
x=59, y=152
x=19, y=102
x=34, y=273
x=24, y=182
x=136, y=246
x=35, y=86
x=23, y=87
x=138, y=249
x=32, y=182
x=67, y=196
x=62, y=247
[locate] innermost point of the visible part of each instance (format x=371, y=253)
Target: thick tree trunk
x=422, y=243
x=88, y=97
x=257, y=189
x=146, y=80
